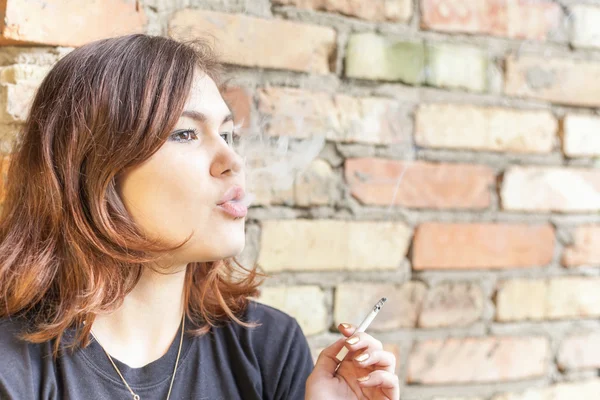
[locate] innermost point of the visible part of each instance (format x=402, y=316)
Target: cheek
x=168, y=199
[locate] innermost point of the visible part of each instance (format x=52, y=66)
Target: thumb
x=326, y=362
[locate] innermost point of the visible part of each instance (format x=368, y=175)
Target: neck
x=145, y=325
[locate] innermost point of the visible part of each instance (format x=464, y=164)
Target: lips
x=232, y=202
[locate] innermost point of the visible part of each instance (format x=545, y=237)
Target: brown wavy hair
x=68, y=247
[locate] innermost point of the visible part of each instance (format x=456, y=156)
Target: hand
x=381, y=383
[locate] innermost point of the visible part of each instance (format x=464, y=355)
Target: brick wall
x=459, y=177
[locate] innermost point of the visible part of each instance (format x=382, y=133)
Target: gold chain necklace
x=136, y=396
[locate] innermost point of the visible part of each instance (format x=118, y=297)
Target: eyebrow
x=198, y=116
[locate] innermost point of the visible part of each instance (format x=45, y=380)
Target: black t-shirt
x=271, y=361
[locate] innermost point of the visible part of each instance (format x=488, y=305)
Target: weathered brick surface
x=553, y=298
x=419, y=184
x=374, y=10
x=18, y=84
x=584, y=390
x=513, y=18
x=456, y=67
x=456, y=126
x=580, y=135
x=372, y=56
x=332, y=245
x=68, y=23
x=542, y=189
x=558, y=80
x=301, y=114
x=477, y=360
x=585, y=26
x=451, y=304
x=353, y=301
x=585, y=248
x=305, y=303
x=248, y=41
x=580, y=351
x=478, y=246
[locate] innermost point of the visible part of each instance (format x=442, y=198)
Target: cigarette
x=361, y=328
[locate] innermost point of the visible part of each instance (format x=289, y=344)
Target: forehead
x=206, y=98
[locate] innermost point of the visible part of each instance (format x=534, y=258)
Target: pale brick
x=556, y=80
x=546, y=189
x=581, y=135
x=68, y=23
x=451, y=304
x=456, y=67
x=585, y=248
x=353, y=301
x=481, y=246
x=585, y=26
x=332, y=245
x=305, y=303
x=303, y=114
x=18, y=84
x=316, y=186
x=371, y=56
x=9, y=134
x=513, y=18
x=374, y=10
x=458, y=398
x=580, y=351
x=249, y=41
x=485, y=128
x=587, y=390
x=556, y=298
x=419, y=184
x=477, y=360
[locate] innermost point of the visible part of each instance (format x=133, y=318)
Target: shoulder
x=20, y=359
x=270, y=318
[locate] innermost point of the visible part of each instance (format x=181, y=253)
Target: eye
x=231, y=138
x=184, y=135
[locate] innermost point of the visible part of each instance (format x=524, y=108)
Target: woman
x=124, y=207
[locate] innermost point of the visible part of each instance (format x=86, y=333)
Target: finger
x=362, y=340
x=380, y=359
x=346, y=329
x=387, y=381
x=326, y=362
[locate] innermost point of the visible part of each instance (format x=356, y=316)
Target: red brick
x=300, y=113
x=451, y=304
x=67, y=22
x=419, y=184
x=250, y=41
x=373, y=10
x=557, y=80
x=585, y=248
x=239, y=101
x=520, y=19
x=485, y=245
x=543, y=189
x=354, y=300
x=580, y=351
x=477, y=360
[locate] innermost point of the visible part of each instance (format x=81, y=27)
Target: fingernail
x=364, y=378
x=346, y=326
x=362, y=357
x=352, y=340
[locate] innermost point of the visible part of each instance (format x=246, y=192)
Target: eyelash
x=234, y=135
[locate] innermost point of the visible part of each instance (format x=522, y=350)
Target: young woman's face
x=193, y=183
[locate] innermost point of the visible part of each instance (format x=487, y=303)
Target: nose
x=226, y=162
